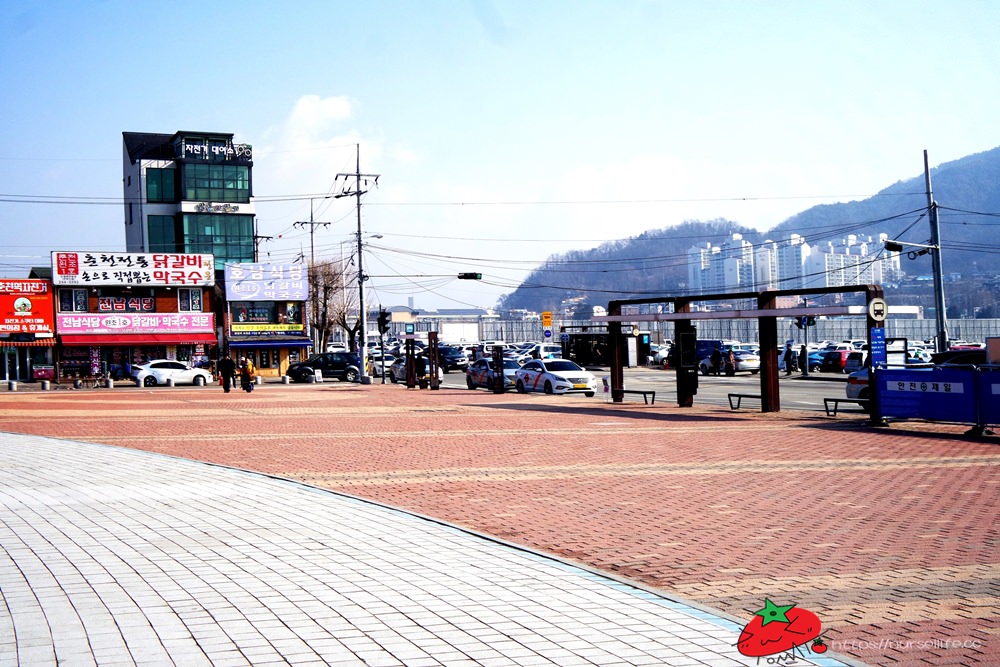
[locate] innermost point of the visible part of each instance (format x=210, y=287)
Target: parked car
x=834, y=361
x=482, y=373
x=554, y=376
x=857, y=384
x=379, y=362
x=397, y=372
x=452, y=358
x=159, y=371
x=855, y=361
x=343, y=366
x=545, y=351
x=745, y=361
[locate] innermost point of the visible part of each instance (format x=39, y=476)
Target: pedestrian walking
x=803, y=359
x=227, y=370
x=789, y=358
x=731, y=362
x=716, y=361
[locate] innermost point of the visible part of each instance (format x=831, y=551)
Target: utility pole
x=312, y=231
x=257, y=238
x=939, y=311
x=312, y=264
x=356, y=193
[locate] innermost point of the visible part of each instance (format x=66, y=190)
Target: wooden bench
x=739, y=399
x=648, y=397
x=833, y=404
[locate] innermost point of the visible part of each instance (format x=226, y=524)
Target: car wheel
x=520, y=388
x=470, y=383
x=589, y=394
x=149, y=381
x=199, y=381
x=548, y=387
x=754, y=372
x=351, y=375
x=392, y=377
x=704, y=370
x=489, y=384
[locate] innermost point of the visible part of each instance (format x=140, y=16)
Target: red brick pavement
x=889, y=535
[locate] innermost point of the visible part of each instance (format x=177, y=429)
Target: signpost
x=547, y=323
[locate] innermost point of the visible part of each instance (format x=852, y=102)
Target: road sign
x=877, y=309
x=547, y=319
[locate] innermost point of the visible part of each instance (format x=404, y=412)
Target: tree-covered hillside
x=654, y=263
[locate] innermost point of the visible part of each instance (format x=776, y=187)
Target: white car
x=554, y=376
x=159, y=371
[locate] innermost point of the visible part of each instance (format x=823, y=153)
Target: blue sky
x=503, y=132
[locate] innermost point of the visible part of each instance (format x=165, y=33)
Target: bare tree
x=329, y=301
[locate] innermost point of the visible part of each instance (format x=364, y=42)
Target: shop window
x=189, y=300
x=73, y=301
x=265, y=359
x=293, y=355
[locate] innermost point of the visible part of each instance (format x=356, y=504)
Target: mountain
x=654, y=263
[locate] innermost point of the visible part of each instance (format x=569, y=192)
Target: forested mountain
x=654, y=263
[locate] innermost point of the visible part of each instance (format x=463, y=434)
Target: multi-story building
x=189, y=192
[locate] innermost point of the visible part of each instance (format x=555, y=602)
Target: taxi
x=554, y=376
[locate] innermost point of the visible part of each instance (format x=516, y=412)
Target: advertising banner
x=267, y=282
x=135, y=323
x=26, y=306
x=98, y=268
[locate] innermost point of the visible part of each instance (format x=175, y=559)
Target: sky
x=502, y=132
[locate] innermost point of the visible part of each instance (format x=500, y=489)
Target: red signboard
x=26, y=306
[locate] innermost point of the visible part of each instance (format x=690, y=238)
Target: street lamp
x=939, y=312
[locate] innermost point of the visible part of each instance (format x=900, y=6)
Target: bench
x=648, y=397
x=832, y=404
x=739, y=399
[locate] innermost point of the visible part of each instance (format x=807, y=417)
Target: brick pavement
x=889, y=535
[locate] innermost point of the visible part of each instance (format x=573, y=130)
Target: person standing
x=716, y=361
x=227, y=370
x=789, y=359
x=803, y=359
x=246, y=375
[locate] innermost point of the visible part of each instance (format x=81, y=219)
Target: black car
x=452, y=358
x=343, y=366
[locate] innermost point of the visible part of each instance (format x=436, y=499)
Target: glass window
x=228, y=237
x=217, y=183
x=73, y=301
x=162, y=234
x=189, y=300
x=160, y=185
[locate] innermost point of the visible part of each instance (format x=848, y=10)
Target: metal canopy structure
x=767, y=313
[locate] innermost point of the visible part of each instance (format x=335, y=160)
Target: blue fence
x=940, y=394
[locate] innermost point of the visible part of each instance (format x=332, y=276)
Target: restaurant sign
x=267, y=282
x=99, y=268
x=26, y=307
x=135, y=323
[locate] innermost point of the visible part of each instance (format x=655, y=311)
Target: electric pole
x=939, y=311
x=356, y=193
x=312, y=231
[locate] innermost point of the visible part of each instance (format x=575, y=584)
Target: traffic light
x=470, y=276
x=383, y=321
x=810, y=321
x=798, y=322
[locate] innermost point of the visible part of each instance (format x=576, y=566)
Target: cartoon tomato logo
x=777, y=629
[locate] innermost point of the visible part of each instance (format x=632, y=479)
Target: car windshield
x=510, y=363
x=561, y=365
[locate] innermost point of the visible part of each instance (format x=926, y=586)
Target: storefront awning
x=270, y=342
x=38, y=342
x=138, y=339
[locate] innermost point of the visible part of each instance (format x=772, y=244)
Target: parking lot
x=888, y=535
